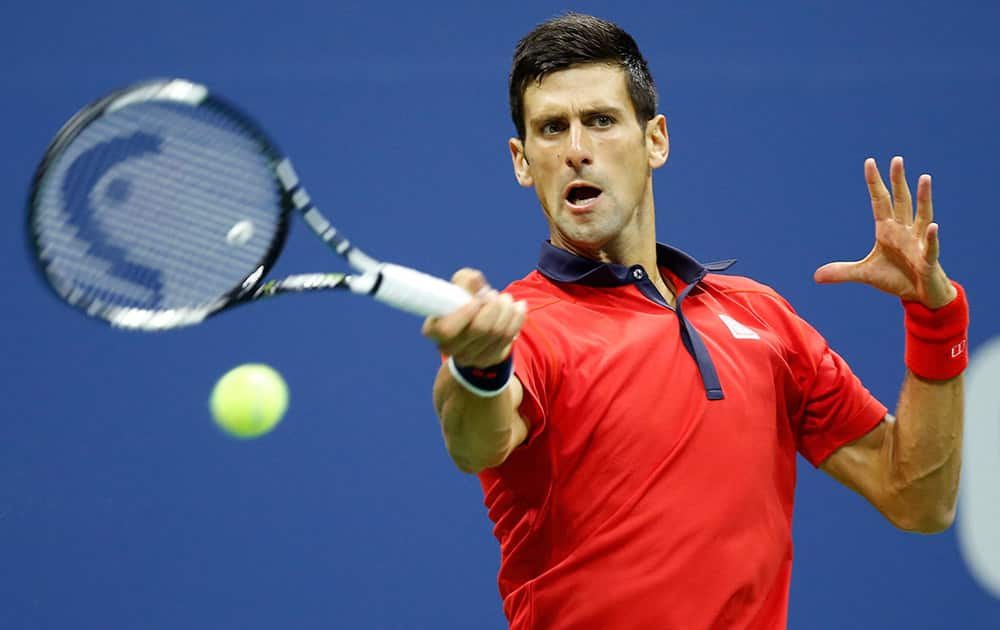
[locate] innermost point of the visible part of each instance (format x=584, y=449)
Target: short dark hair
x=575, y=39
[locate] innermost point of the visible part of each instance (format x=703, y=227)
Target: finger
x=925, y=205
x=517, y=321
x=518, y=314
x=505, y=331
x=493, y=347
x=444, y=329
x=507, y=312
x=902, y=202
x=836, y=272
x=472, y=280
x=475, y=350
x=932, y=246
x=474, y=354
x=514, y=318
x=486, y=335
x=881, y=202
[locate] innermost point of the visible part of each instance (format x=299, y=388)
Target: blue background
x=121, y=505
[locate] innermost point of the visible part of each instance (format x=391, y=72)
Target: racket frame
x=395, y=285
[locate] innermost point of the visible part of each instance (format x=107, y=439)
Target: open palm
x=904, y=259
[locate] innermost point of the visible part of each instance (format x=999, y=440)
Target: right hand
x=482, y=332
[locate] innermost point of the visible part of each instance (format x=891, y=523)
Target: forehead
x=580, y=88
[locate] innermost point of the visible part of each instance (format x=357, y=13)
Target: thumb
x=832, y=273
x=472, y=280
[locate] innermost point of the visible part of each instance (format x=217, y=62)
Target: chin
x=588, y=240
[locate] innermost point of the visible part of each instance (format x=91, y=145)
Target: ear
x=657, y=141
x=522, y=170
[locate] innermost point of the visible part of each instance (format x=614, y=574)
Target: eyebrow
x=587, y=112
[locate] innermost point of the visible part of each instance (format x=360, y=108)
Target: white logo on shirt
x=739, y=330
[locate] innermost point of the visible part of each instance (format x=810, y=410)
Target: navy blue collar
x=559, y=265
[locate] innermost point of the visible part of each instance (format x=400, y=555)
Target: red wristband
x=937, y=340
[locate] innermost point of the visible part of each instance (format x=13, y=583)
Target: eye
x=551, y=127
x=602, y=120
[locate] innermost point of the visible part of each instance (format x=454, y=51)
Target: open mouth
x=582, y=194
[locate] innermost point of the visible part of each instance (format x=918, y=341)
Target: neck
x=634, y=244
x=643, y=254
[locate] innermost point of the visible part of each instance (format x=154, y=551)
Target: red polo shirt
x=655, y=488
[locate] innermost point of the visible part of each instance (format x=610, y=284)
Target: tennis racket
x=162, y=204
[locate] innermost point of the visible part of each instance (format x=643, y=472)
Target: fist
x=482, y=332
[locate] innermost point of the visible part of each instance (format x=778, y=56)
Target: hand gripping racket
x=162, y=204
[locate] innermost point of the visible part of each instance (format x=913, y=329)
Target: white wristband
x=478, y=391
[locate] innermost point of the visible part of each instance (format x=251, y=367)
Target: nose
x=578, y=153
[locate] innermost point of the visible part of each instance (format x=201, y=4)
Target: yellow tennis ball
x=249, y=400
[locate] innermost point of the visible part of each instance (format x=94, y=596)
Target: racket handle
x=417, y=292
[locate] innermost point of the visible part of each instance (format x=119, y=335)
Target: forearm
x=926, y=439
x=478, y=432
x=924, y=449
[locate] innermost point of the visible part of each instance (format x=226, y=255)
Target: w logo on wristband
x=958, y=349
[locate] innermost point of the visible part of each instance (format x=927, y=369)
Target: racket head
x=158, y=205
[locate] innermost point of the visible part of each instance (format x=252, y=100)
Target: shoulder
x=535, y=289
x=546, y=336
x=763, y=306
x=737, y=284
x=746, y=291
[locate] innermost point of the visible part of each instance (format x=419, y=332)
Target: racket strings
x=157, y=206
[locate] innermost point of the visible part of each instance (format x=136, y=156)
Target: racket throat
x=314, y=218
x=367, y=283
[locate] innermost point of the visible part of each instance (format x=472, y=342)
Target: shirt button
x=637, y=274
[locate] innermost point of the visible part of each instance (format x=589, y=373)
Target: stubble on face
x=588, y=160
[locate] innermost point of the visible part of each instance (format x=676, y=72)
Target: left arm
x=908, y=466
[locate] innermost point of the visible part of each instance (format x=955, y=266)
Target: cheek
x=633, y=168
x=544, y=176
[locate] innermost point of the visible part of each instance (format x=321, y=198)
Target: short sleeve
x=838, y=409
x=532, y=363
x=832, y=406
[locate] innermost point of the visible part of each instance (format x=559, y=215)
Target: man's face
x=588, y=158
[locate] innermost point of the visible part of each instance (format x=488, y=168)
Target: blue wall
x=121, y=506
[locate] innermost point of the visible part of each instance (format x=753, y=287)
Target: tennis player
x=634, y=415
